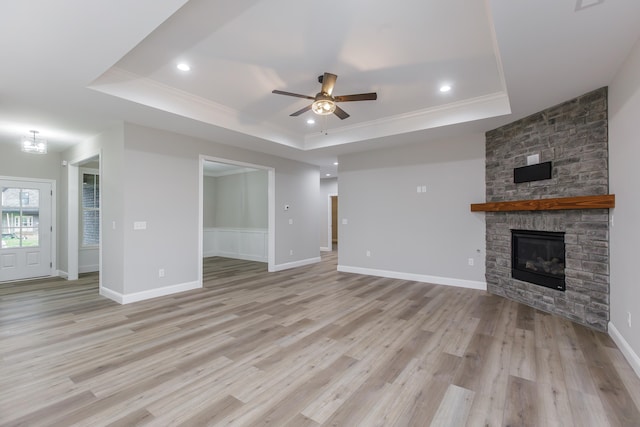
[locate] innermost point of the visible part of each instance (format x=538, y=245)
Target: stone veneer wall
x=574, y=137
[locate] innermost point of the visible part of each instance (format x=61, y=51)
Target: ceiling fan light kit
x=323, y=107
x=324, y=103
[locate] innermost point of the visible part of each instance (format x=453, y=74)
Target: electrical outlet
x=471, y=261
x=161, y=272
x=291, y=252
x=368, y=253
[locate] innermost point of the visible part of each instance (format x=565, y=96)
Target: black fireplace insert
x=538, y=257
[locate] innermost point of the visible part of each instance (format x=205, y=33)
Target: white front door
x=25, y=212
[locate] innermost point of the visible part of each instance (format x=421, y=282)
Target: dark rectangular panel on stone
x=532, y=173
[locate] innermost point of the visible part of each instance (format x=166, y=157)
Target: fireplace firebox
x=538, y=257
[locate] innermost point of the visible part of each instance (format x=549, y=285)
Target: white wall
x=15, y=163
x=624, y=175
x=209, y=201
x=328, y=186
x=235, y=215
x=423, y=236
x=110, y=147
x=88, y=260
x=161, y=185
x=241, y=200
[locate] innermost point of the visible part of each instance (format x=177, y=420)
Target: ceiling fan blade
x=304, y=110
x=340, y=113
x=358, y=97
x=328, y=82
x=297, y=95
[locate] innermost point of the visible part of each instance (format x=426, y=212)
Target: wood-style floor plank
x=303, y=347
x=454, y=407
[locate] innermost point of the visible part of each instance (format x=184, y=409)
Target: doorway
x=237, y=239
x=235, y=212
x=334, y=222
x=89, y=216
x=84, y=255
x=26, y=210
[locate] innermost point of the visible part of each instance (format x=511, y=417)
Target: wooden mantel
x=584, y=202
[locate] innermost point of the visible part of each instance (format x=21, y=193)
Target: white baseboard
x=88, y=268
x=151, y=293
x=447, y=281
x=325, y=249
x=62, y=274
x=625, y=348
x=294, y=264
x=112, y=295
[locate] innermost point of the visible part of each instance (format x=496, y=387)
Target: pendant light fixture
x=31, y=144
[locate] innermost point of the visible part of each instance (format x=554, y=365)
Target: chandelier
x=31, y=144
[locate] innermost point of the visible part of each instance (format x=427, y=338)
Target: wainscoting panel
x=238, y=243
x=88, y=260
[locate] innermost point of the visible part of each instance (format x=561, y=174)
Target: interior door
x=334, y=219
x=25, y=209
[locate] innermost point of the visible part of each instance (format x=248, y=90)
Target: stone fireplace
x=573, y=137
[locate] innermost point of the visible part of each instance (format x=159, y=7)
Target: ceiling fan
x=324, y=102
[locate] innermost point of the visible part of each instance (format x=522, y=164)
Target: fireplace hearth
x=538, y=257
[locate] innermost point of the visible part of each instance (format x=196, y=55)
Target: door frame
x=271, y=208
x=73, y=216
x=54, y=223
x=329, y=224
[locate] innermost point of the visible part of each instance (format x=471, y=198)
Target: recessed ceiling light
x=327, y=174
x=445, y=88
x=310, y=121
x=335, y=163
x=183, y=67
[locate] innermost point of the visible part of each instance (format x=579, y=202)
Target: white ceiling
x=72, y=68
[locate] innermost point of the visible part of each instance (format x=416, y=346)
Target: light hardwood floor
x=303, y=347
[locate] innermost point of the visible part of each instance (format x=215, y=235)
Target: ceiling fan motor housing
x=322, y=96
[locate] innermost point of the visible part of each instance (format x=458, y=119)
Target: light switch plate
x=140, y=225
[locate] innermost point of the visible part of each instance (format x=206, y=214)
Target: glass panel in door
x=25, y=227
x=20, y=217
